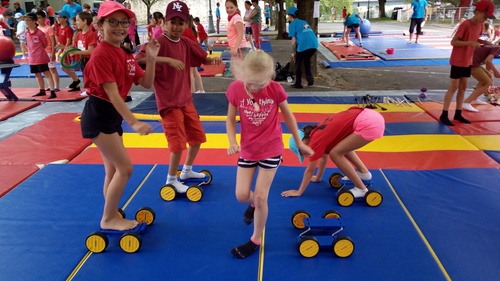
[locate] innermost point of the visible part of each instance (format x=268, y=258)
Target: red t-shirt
x=173, y=87
x=84, y=40
x=37, y=42
x=48, y=32
x=64, y=33
x=111, y=64
x=467, y=31
x=189, y=34
x=201, y=32
x=332, y=130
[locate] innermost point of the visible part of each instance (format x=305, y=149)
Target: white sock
x=358, y=192
x=362, y=176
x=171, y=179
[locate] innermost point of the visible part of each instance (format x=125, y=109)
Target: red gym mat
x=11, y=108
x=353, y=52
x=13, y=175
x=212, y=70
x=389, y=117
x=487, y=112
x=63, y=95
x=55, y=138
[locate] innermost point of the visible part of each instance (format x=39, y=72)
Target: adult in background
x=305, y=44
x=334, y=13
x=419, y=15
x=256, y=22
x=72, y=8
x=51, y=14
x=267, y=15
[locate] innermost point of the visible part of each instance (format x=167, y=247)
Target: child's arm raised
x=111, y=89
x=152, y=49
x=231, y=130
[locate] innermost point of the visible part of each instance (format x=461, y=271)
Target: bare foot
x=118, y=224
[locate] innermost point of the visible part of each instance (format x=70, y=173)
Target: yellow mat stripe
x=429, y=247
x=89, y=253
x=386, y=144
x=486, y=142
x=260, y=274
x=334, y=108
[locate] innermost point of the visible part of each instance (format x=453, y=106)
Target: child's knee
x=243, y=196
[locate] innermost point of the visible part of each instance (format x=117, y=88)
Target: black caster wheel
x=373, y=198
x=345, y=198
x=145, y=215
x=130, y=242
x=121, y=213
x=208, y=173
x=194, y=193
x=334, y=180
x=168, y=192
x=298, y=218
x=97, y=242
x=330, y=214
x=308, y=246
x=343, y=246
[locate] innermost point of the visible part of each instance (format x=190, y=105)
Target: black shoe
x=296, y=86
x=310, y=83
x=248, y=215
x=74, y=89
x=128, y=99
x=210, y=51
x=74, y=84
x=40, y=94
x=244, y=250
x=52, y=95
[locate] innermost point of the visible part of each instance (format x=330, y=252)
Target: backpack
x=282, y=72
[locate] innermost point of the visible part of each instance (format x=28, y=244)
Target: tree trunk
x=281, y=20
x=381, y=8
x=306, y=10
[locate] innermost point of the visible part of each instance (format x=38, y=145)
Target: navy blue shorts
x=269, y=163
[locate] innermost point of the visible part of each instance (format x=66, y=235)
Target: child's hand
x=152, y=48
x=476, y=44
x=177, y=64
x=217, y=60
x=305, y=150
x=233, y=148
x=291, y=193
x=142, y=128
x=315, y=179
x=233, y=52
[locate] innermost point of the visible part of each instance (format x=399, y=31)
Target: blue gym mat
x=378, y=46
x=385, y=63
x=493, y=154
x=24, y=71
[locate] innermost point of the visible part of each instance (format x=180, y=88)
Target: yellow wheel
x=330, y=214
x=298, y=218
x=334, y=180
x=308, y=247
x=97, y=242
x=145, y=214
x=121, y=213
x=194, y=193
x=207, y=172
x=168, y=192
x=343, y=246
x=345, y=198
x=178, y=174
x=373, y=198
x=130, y=242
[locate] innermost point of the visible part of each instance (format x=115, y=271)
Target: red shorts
x=181, y=126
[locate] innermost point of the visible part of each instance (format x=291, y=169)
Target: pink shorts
x=181, y=126
x=369, y=124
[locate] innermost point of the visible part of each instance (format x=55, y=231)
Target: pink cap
x=177, y=9
x=109, y=7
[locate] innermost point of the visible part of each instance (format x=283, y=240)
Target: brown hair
x=307, y=131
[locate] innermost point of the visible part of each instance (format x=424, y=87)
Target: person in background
x=267, y=15
x=51, y=47
x=21, y=34
x=248, y=28
x=256, y=22
x=417, y=18
x=217, y=16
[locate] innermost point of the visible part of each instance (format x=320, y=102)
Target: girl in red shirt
x=202, y=35
x=109, y=74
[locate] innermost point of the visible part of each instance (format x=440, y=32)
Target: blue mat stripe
x=493, y=154
x=383, y=63
x=378, y=45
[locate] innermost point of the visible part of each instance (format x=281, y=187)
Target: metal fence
x=450, y=15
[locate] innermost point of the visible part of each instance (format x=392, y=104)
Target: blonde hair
x=258, y=63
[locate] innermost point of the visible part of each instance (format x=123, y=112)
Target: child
x=38, y=59
x=338, y=136
x=109, y=76
x=50, y=49
x=202, y=35
x=258, y=100
x=21, y=34
x=248, y=27
x=235, y=30
x=217, y=16
x=191, y=33
x=483, y=75
x=65, y=34
x=464, y=42
x=157, y=22
x=352, y=21
x=172, y=85
x=85, y=40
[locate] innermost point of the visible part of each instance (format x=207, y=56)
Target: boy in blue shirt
x=419, y=15
x=352, y=21
x=305, y=44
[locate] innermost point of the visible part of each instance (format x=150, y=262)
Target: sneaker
x=310, y=83
x=75, y=89
x=468, y=107
x=128, y=99
x=52, y=95
x=23, y=57
x=40, y=94
x=296, y=86
x=74, y=84
x=199, y=92
x=179, y=187
x=57, y=90
x=83, y=94
x=478, y=101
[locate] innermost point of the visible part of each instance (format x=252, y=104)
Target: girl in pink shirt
x=235, y=30
x=258, y=100
x=338, y=136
